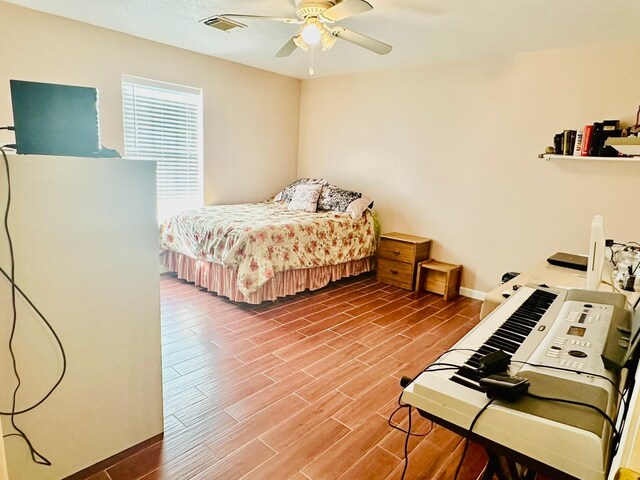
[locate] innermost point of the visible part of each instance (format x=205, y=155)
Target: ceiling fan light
x=299, y=41
x=328, y=40
x=311, y=33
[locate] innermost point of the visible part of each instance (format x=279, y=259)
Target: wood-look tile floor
x=300, y=388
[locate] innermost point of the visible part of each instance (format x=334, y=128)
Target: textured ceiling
x=421, y=31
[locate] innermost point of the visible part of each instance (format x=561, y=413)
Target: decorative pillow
x=357, y=207
x=286, y=193
x=305, y=197
x=336, y=198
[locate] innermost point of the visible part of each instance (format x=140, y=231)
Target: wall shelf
x=552, y=156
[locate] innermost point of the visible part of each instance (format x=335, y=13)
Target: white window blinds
x=163, y=122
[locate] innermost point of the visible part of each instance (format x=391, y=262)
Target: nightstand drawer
x=398, y=254
x=395, y=250
x=395, y=273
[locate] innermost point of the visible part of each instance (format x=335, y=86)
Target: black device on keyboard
x=503, y=386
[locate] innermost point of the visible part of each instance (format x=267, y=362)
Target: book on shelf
x=568, y=141
x=577, y=149
x=595, y=139
x=557, y=143
x=609, y=129
x=586, y=140
x=602, y=131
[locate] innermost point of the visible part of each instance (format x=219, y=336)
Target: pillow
x=357, y=207
x=305, y=197
x=286, y=193
x=336, y=198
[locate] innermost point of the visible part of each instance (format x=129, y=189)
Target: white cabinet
x=85, y=239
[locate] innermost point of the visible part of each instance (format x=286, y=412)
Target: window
x=163, y=122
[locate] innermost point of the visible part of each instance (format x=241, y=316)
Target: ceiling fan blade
x=258, y=17
x=287, y=49
x=346, y=9
x=363, y=41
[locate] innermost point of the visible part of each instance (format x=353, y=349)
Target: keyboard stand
x=496, y=467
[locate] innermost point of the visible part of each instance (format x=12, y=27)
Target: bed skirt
x=222, y=280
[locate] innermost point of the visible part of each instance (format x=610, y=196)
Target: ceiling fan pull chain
x=312, y=49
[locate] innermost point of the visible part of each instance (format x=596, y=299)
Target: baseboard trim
x=476, y=294
x=111, y=461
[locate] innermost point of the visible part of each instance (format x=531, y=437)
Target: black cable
x=446, y=366
x=435, y=363
x=449, y=367
x=35, y=455
x=614, y=252
x=629, y=388
x=467, y=438
x=408, y=433
x=58, y=341
x=635, y=269
x=625, y=406
x=440, y=364
x=406, y=448
x=628, y=246
x=582, y=404
x=472, y=350
x=7, y=128
x=551, y=367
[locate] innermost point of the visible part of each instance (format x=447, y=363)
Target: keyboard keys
x=507, y=337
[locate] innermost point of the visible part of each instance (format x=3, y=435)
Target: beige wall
x=450, y=152
x=251, y=141
x=251, y=116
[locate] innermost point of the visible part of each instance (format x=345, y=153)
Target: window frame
x=172, y=88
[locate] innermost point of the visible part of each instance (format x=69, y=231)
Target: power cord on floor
x=468, y=436
x=405, y=382
x=35, y=455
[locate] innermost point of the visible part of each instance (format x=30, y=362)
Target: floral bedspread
x=258, y=240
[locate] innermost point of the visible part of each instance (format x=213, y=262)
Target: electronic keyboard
x=555, y=338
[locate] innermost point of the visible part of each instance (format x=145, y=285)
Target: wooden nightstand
x=439, y=277
x=398, y=257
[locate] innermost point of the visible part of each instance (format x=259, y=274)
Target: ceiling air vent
x=222, y=23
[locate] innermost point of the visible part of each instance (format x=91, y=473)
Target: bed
x=259, y=252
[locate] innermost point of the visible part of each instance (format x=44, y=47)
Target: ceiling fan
x=317, y=18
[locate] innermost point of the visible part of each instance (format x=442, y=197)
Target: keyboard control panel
x=577, y=338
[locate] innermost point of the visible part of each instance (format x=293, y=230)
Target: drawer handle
x=396, y=252
x=394, y=272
